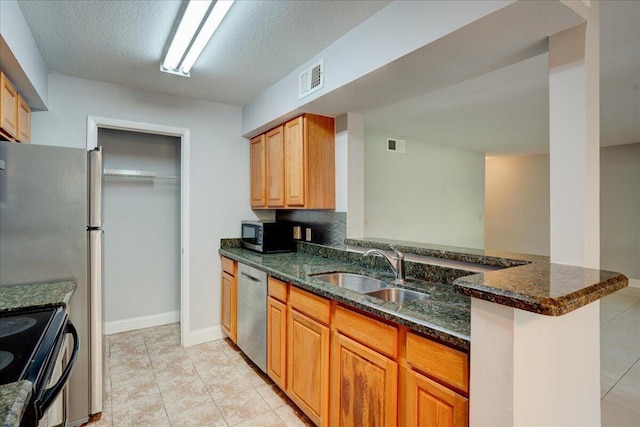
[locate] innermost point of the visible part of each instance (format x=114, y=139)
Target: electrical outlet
x=308, y=234
x=297, y=232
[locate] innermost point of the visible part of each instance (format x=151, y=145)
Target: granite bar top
x=14, y=396
x=12, y=402
x=527, y=282
x=444, y=316
x=455, y=253
x=543, y=288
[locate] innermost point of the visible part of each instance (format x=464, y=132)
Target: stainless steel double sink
x=370, y=286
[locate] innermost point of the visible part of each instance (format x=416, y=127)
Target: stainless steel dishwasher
x=252, y=314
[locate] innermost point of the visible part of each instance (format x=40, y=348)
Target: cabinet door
x=277, y=342
x=308, y=366
x=364, y=385
x=295, y=162
x=429, y=404
x=8, y=107
x=24, y=121
x=229, y=305
x=258, y=178
x=275, y=168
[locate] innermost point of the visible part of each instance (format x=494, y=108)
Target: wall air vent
x=311, y=79
x=395, y=145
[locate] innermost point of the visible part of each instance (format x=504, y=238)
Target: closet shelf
x=138, y=175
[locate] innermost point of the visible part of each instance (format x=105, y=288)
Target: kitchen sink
x=397, y=295
x=354, y=282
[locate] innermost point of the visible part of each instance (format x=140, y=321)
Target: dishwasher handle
x=253, y=279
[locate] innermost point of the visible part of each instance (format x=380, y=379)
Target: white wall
x=141, y=223
x=20, y=57
x=431, y=194
x=218, y=158
x=517, y=204
x=620, y=209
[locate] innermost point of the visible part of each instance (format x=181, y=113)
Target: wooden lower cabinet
x=364, y=385
x=277, y=342
x=424, y=402
x=308, y=366
x=229, y=305
x=345, y=368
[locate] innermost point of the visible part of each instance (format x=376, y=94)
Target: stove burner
x=14, y=325
x=5, y=359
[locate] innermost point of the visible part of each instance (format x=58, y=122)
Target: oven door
x=49, y=406
x=56, y=414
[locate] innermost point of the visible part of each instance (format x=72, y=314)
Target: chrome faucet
x=396, y=263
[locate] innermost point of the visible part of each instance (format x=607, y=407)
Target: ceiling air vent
x=395, y=145
x=311, y=79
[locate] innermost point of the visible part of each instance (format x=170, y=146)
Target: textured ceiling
x=122, y=42
x=259, y=42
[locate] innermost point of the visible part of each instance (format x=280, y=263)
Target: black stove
x=30, y=342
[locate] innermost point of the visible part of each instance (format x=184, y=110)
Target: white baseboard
x=203, y=335
x=140, y=322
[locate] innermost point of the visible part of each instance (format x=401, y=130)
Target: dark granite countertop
x=444, y=316
x=455, y=253
x=14, y=396
x=12, y=402
x=528, y=282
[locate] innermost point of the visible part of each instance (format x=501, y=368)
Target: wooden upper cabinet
x=295, y=162
x=8, y=108
x=275, y=168
x=258, y=172
x=24, y=121
x=298, y=165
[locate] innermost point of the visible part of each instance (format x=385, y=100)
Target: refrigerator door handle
x=95, y=321
x=95, y=187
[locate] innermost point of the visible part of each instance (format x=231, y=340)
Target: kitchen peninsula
x=447, y=320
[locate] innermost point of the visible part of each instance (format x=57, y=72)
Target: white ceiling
x=257, y=44
x=503, y=111
x=506, y=111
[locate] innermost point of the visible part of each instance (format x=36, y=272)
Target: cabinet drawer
x=229, y=266
x=438, y=361
x=312, y=305
x=373, y=333
x=278, y=289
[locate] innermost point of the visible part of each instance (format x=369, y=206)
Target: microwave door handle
x=50, y=394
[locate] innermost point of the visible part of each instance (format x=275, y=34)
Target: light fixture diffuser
x=198, y=23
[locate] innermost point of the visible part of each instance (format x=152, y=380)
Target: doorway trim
x=93, y=124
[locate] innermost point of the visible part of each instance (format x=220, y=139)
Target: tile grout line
x=164, y=405
x=620, y=379
x=207, y=388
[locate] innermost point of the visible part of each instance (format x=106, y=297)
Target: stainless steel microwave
x=268, y=236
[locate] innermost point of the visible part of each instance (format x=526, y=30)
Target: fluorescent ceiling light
x=193, y=34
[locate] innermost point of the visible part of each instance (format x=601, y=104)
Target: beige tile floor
x=151, y=381
x=620, y=358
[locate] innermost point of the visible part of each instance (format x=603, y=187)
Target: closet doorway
x=141, y=223
x=94, y=124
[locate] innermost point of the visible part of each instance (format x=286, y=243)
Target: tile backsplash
x=327, y=227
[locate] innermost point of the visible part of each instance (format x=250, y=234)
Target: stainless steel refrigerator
x=50, y=230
